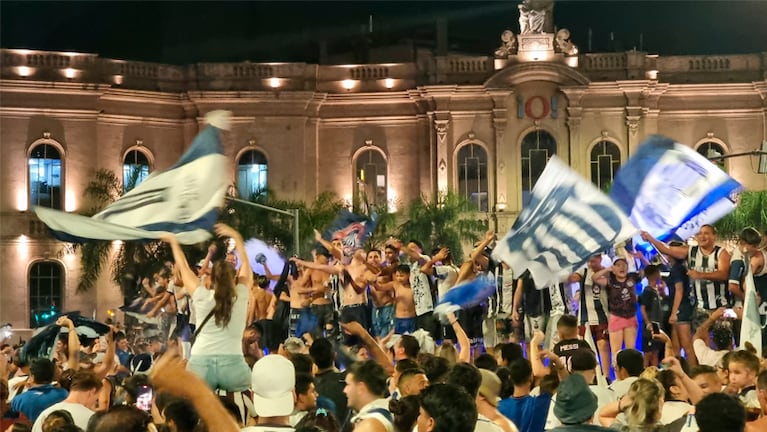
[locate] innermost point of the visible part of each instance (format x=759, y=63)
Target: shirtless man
x=353, y=283
x=262, y=302
x=318, y=293
x=383, y=300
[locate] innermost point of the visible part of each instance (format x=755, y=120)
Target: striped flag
x=751, y=325
x=668, y=188
x=567, y=221
x=184, y=199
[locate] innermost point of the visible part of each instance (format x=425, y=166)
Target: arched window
x=711, y=151
x=46, y=284
x=371, y=184
x=135, y=169
x=537, y=148
x=472, y=174
x=251, y=174
x=45, y=177
x=605, y=161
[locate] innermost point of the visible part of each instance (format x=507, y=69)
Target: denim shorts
x=383, y=320
x=404, y=326
x=221, y=372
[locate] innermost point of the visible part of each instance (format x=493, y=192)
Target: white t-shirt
x=446, y=276
x=213, y=339
x=12, y=384
x=484, y=424
x=621, y=387
x=80, y=414
x=706, y=355
x=419, y=282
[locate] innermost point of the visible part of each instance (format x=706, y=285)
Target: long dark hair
x=222, y=278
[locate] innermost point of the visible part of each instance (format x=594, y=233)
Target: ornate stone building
x=482, y=126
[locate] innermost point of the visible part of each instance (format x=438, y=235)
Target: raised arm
x=678, y=252
x=103, y=369
x=354, y=328
x=187, y=275
x=337, y=253
x=428, y=267
x=321, y=267
x=489, y=237
x=170, y=374
x=464, y=355
x=73, y=354
x=245, y=274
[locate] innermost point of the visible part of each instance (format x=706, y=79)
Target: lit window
x=135, y=169
x=537, y=148
x=472, y=175
x=45, y=289
x=251, y=175
x=45, y=177
x=371, y=184
x=605, y=161
x=712, y=151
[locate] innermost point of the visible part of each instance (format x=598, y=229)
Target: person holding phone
x=652, y=314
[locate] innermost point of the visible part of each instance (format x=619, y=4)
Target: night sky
x=184, y=32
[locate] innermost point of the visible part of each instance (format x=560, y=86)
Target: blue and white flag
x=567, y=221
x=351, y=229
x=184, y=199
x=669, y=189
x=466, y=295
x=751, y=325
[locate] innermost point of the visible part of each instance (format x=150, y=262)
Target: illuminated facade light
x=348, y=84
x=69, y=202
x=118, y=79
x=69, y=73
x=274, y=83
x=21, y=200
x=24, y=71
x=652, y=74
x=389, y=83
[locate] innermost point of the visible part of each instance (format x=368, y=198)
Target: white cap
x=273, y=380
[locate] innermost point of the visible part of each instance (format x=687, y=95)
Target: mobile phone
x=655, y=327
x=729, y=313
x=144, y=398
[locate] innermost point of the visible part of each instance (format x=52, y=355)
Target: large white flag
x=184, y=199
x=567, y=221
x=751, y=325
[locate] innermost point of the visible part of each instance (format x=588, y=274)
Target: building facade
x=483, y=126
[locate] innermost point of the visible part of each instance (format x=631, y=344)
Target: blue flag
x=668, y=189
x=567, y=221
x=184, y=199
x=351, y=229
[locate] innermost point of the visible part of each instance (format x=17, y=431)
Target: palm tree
x=134, y=258
x=442, y=221
x=750, y=212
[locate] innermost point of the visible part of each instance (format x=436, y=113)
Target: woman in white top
x=217, y=352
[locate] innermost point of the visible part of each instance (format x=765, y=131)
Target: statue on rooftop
x=509, y=46
x=535, y=16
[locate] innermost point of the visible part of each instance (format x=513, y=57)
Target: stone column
x=574, y=129
x=441, y=128
x=633, y=121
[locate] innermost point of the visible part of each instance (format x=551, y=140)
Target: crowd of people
x=349, y=340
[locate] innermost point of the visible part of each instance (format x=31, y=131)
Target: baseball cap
x=575, y=402
x=273, y=380
x=490, y=387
